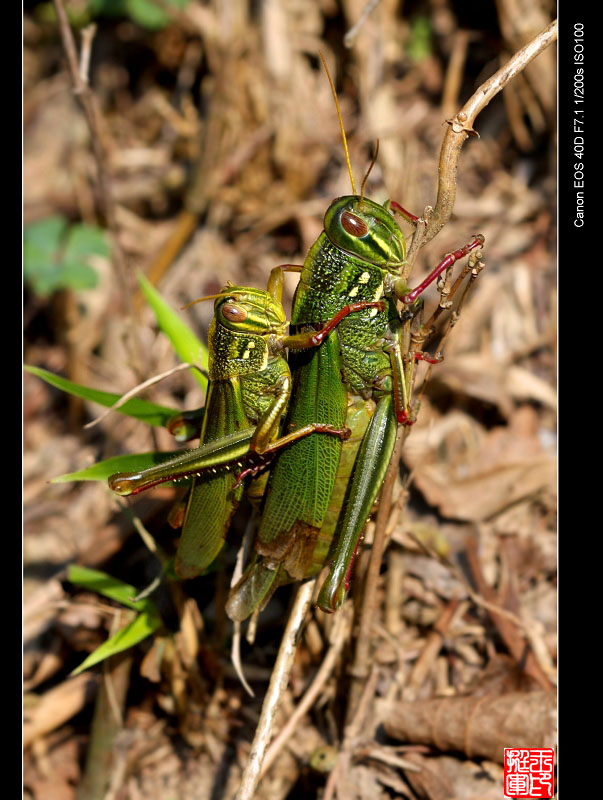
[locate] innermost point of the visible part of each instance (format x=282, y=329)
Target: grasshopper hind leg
x=370, y=467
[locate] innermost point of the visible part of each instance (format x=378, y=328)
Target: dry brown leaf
x=57, y=705
x=51, y=788
x=484, y=495
x=476, y=375
x=447, y=778
x=40, y=608
x=362, y=783
x=484, y=472
x=480, y=726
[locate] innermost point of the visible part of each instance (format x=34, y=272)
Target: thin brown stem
x=278, y=684
x=107, y=721
x=338, y=637
x=418, y=239
x=235, y=651
x=353, y=731
x=79, y=77
x=353, y=32
x=140, y=388
x=433, y=645
x=461, y=125
x=474, y=266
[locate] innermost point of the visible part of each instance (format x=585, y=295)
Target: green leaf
x=126, y=463
x=110, y=8
x=150, y=413
x=146, y=623
x=44, y=235
x=57, y=257
x=147, y=13
x=82, y=240
x=184, y=341
x=113, y=588
x=71, y=276
x=134, y=632
x=419, y=47
x=41, y=242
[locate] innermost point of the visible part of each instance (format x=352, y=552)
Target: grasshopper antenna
x=207, y=297
x=339, y=117
x=368, y=172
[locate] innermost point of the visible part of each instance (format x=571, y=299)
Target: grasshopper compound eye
x=233, y=312
x=353, y=224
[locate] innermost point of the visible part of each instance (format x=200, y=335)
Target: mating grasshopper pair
x=351, y=386
x=352, y=372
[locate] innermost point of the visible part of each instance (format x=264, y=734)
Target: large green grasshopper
x=248, y=394
x=321, y=490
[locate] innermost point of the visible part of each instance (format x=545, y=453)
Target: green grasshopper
x=248, y=394
x=321, y=490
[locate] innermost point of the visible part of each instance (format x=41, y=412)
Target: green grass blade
x=134, y=632
x=185, y=342
x=132, y=462
x=146, y=623
x=108, y=586
x=150, y=413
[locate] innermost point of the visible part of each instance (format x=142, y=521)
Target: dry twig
x=462, y=125
x=352, y=732
x=79, y=76
x=278, y=685
x=141, y=387
x=338, y=637
x=235, y=650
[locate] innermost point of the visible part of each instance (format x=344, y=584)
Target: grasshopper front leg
x=409, y=297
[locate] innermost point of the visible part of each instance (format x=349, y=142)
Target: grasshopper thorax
x=365, y=229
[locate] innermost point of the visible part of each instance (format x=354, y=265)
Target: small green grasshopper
x=321, y=490
x=248, y=394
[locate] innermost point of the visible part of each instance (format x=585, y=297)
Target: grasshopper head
x=243, y=320
x=365, y=229
x=246, y=310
